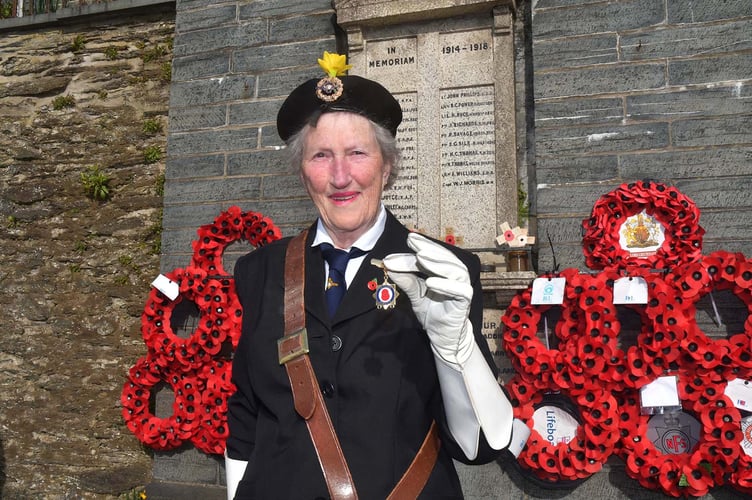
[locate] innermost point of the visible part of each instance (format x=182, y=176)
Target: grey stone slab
x=718, y=193
x=277, y=57
x=561, y=229
x=578, y=111
x=600, y=79
x=199, y=66
x=265, y=161
x=727, y=224
x=169, y=262
x=711, y=69
x=698, y=11
x=575, y=51
x=292, y=213
x=589, y=19
x=209, y=17
x=254, y=112
x=555, y=201
x=270, y=137
x=169, y=490
x=177, y=243
x=711, y=162
x=272, y=8
x=564, y=169
x=280, y=187
x=601, y=139
x=190, y=216
x=213, y=190
x=179, y=167
x=280, y=84
x=217, y=141
x=249, y=33
x=687, y=41
x=544, y=4
x=729, y=245
x=712, y=131
x=183, y=119
x=195, y=467
x=295, y=29
x=563, y=256
x=688, y=103
x=212, y=90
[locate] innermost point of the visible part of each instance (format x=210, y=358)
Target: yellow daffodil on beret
x=334, y=64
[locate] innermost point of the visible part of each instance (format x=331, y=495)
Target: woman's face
x=344, y=174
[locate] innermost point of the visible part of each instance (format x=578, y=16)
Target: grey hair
x=390, y=152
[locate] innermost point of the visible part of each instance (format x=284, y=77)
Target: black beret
x=358, y=95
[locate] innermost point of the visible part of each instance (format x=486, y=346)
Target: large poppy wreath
x=645, y=224
x=196, y=367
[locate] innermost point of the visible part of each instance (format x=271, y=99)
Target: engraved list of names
x=444, y=82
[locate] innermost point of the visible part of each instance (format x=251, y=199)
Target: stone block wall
x=234, y=63
x=642, y=89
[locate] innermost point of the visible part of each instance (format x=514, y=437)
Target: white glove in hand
x=442, y=300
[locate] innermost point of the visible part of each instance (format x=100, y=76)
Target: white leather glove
x=442, y=300
x=473, y=400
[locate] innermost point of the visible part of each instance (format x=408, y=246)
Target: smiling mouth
x=343, y=197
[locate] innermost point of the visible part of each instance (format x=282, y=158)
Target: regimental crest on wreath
x=641, y=235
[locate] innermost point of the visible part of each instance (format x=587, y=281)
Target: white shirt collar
x=366, y=241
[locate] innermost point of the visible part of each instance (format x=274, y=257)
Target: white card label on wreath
x=548, y=291
x=660, y=396
x=641, y=235
x=631, y=290
x=747, y=435
x=739, y=391
x=520, y=435
x=554, y=424
x=166, y=286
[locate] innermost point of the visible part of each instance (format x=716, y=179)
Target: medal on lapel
x=386, y=292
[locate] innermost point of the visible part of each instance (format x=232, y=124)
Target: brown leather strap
x=415, y=477
x=309, y=403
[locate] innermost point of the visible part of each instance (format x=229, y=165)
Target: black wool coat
x=375, y=369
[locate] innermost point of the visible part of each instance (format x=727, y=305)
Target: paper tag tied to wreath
x=165, y=285
x=631, y=290
x=548, y=291
x=660, y=396
x=739, y=391
x=520, y=435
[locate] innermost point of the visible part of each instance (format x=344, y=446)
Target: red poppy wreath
x=230, y=226
x=584, y=453
x=722, y=358
x=219, y=319
x=646, y=224
x=156, y=432
x=688, y=469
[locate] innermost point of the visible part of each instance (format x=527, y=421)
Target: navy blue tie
x=336, y=286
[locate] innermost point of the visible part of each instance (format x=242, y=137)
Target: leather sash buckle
x=292, y=346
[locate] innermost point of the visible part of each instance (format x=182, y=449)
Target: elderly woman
x=347, y=385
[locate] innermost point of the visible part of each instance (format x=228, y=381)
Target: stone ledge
x=74, y=13
x=184, y=491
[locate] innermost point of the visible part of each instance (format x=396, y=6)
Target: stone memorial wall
x=453, y=76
